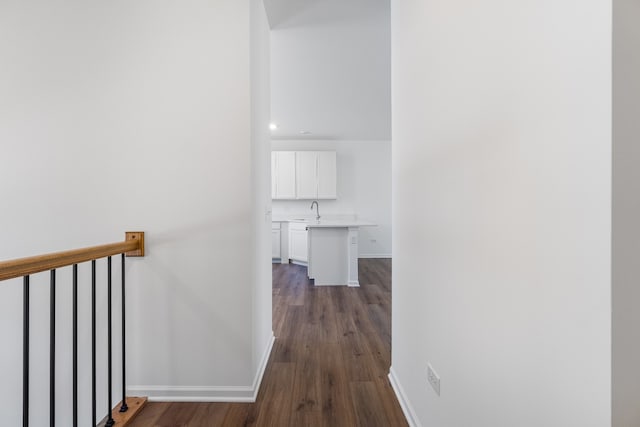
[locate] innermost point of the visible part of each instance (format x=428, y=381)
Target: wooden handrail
x=132, y=246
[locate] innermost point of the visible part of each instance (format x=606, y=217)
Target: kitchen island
x=333, y=251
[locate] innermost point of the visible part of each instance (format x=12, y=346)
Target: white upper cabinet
x=283, y=175
x=327, y=175
x=306, y=174
x=303, y=175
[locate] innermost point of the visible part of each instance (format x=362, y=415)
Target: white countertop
x=322, y=223
x=330, y=221
x=291, y=218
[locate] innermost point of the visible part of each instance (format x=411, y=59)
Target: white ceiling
x=330, y=69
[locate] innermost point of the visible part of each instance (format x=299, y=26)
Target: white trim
x=353, y=283
x=263, y=367
x=407, y=409
x=304, y=264
x=168, y=393
x=375, y=256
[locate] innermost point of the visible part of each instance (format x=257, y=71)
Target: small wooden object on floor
x=121, y=419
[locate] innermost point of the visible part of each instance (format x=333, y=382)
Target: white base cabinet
x=275, y=240
x=298, y=242
x=333, y=256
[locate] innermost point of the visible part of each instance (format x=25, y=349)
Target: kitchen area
x=330, y=126
x=330, y=206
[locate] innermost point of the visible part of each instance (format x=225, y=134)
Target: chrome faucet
x=315, y=202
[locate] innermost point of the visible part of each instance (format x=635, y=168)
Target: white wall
x=626, y=211
x=261, y=182
x=363, y=187
x=501, y=211
x=331, y=69
x=134, y=116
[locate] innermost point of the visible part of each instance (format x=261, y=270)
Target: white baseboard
x=167, y=393
x=407, y=409
x=262, y=367
x=304, y=264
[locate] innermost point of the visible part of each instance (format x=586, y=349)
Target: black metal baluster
x=110, y=422
x=52, y=350
x=93, y=342
x=25, y=354
x=75, y=345
x=124, y=406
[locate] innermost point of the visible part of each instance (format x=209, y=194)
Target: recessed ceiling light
x=273, y=126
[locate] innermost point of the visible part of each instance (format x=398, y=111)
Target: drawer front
x=299, y=226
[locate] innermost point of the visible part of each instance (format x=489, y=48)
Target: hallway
x=328, y=366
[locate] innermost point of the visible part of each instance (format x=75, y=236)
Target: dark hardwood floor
x=328, y=366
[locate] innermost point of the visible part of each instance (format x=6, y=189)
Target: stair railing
x=133, y=245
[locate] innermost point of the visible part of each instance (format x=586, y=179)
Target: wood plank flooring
x=328, y=366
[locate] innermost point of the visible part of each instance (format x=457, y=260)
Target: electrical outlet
x=434, y=379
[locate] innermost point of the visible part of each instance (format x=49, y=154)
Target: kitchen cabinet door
x=306, y=175
x=327, y=175
x=283, y=174
x=298, y=250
